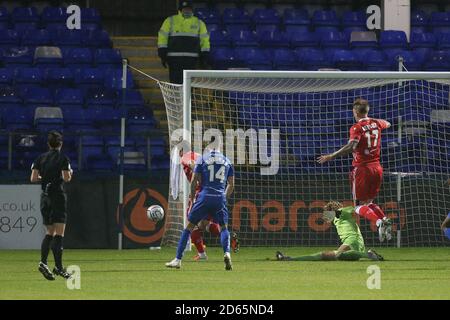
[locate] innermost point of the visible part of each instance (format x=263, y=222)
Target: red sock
x=214, y=229
x=196, y=237
x=377, y=210
x=366, y=212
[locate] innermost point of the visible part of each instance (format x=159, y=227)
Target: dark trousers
x=178, y=64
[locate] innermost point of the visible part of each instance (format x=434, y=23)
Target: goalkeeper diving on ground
x=352, y=248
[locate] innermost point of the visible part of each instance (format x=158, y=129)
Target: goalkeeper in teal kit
x=352, y=247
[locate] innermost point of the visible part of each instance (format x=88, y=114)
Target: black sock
x=57, y=248
x=45, y=248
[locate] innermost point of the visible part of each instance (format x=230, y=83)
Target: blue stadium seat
x=333, y=40
x=99, y=162
x=96, y=39
x=91, y=146
x=324, y=18
x=293, y=29
x=6, y=76
x=224, y=58
x=19, y=119
x=235, y=16
x=59, y=77
x=130, y=98
x=25, y=14
x=444, y=41
x=140, y=120
x=157, y=146
x=69, y=98
x=376, y=60
x=77, y=119
x=54, y=16
x=160, y=163
x=64, y=38
x=304, y=40
x=220, y=39
x=18, y=56
x=315, y=59
x=78, y=58
x=422, y=54
x=113, y=146
x=260, y=28
x=9, y=96
x=107, y=119
x=89, y=77
x=346, y=60
x=296, y=17
x=38, y=97
x=9, y=38
x=284, y=59
x=235, y=28
x=4, y=18
x=208, y=15
x=438, y=61
x=90, y=18
x=114, y=79
x=410, y=60
x=422, y=40
x=244, y=39
x=440, y=22
x=29, y=76
x=419, y=19
x=36, y=38
x=393, y=39
x=273, y=39
x=101, y=97
x=254, y=58
x=214, y=27
x=354, y=19
x=108, y=57
x=266, y=16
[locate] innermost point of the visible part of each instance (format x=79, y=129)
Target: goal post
x=274, y=125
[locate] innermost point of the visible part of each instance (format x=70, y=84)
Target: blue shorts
x=214, y=206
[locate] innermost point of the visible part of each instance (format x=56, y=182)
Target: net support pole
x=399, y=188
x=186, y=137
x=121, y=158
x=10, y=150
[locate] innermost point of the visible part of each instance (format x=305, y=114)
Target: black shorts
x=53, y=208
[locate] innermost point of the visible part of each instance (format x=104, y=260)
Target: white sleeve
x=175, y=173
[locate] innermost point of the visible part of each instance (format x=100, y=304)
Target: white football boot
x=175, y=263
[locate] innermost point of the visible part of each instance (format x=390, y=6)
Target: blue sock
x=182, y=243
x=225, y=240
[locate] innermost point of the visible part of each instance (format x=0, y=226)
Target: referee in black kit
x=52, y=170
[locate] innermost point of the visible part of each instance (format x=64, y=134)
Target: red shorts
x=366, y=181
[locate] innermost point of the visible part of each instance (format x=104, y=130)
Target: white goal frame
x=189, y=83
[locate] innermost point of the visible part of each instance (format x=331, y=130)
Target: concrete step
x=145, y=62
x=152, y=95
x=160, y=74
x=135, y=41
x=134, y=51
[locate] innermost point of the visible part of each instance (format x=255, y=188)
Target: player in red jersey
x=188, y=163
x=367, y=173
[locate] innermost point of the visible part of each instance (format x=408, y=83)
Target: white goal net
x=276, y=124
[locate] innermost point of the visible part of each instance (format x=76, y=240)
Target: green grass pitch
x=408, y=273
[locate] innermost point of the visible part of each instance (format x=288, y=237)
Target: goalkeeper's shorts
x=355, y=243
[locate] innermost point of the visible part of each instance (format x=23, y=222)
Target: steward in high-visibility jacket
x=183, y=42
